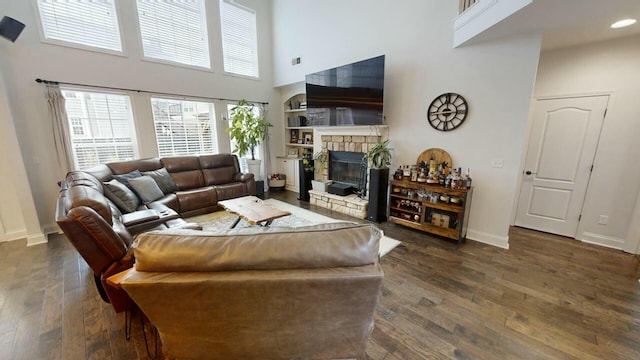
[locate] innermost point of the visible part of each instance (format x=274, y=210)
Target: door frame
x=527, y=142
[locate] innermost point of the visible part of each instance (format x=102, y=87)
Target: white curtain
x=267, y=146
x=60, y=125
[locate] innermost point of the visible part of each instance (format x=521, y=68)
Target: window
x=184, y=127
x=174, y=30
x=89, y=23
x=239, y=39
x=101, y=127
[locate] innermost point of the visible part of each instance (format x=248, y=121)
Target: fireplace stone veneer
x=351, y=205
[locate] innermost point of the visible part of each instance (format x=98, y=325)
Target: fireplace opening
x=348, y=167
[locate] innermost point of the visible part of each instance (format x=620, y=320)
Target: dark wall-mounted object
x=10, y=28
x=378, y=185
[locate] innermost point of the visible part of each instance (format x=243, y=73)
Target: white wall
x=610, y=67
x=416, y=36
x=29, y=58
x=18, y=218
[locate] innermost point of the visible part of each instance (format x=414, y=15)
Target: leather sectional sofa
x=259, y=293
x=97, y=213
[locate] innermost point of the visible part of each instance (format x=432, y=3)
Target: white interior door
x=563, y=143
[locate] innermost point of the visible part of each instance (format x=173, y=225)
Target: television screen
x=347, y=95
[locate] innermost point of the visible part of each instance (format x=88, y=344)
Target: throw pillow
x=121, y=195
x=163, y=179
x=124, y=178
x=146, y=188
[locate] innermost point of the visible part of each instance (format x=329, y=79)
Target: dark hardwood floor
x=547, y=297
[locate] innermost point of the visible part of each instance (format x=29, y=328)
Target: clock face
x=447, y=112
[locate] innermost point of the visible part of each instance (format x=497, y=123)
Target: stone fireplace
x=348, y=167
x=345, y=142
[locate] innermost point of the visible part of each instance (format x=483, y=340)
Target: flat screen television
x=347, y=95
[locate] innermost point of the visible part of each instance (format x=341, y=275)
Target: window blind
x=90, y=23
x=101, y=127
x=184, y=127
x=239, y=39
x=174, y=30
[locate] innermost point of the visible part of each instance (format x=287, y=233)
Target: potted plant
x=379, y=160
x=320, y=160
x=247, y=129
x=379, y=155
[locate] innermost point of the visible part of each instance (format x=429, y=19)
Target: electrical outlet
x=603, y=219
x=295, y=61
x=497, y=163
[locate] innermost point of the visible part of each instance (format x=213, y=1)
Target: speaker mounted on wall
x=10, y=28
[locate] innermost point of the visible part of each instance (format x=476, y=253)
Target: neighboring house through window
x=101, y=127
x=174, y=31
x=239, y=39
x=85, y=23
x=184, y=127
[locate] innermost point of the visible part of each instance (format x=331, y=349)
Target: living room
x=499, y=77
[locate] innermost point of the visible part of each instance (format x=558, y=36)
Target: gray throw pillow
x=124, y=178
x=146, y=188
x=163, y=179
x=121, y=195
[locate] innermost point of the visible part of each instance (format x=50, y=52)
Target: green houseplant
x=247, y=130
x=379, y=155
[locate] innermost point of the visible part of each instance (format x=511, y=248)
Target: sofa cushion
x=185, y=171
x=189, y=200
x=163, y=179
x=319, y=246
x=146, y=188
x=85, y=196
x=124, y=178
x=218, y=169
x=124, y=198
x=123, y=167
x=231, y=191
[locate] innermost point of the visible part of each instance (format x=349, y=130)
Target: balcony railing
x=465, y=4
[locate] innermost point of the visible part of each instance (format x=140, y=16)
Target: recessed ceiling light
x=623, y=23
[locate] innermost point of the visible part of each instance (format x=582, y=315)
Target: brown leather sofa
x=259, y=293
x=102, y=233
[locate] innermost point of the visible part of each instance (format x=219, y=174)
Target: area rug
x=222, y=220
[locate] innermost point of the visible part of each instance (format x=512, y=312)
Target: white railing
x=465, y=4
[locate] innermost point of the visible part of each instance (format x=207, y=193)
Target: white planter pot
x=321, y=185
x=254, y=167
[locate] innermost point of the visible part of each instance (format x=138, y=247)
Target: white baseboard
x=489, y=239
x=15, y=235
x=36, y=239
x=51, y=229
x=602, y=240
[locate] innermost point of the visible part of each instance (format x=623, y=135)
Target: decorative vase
x=253, y=166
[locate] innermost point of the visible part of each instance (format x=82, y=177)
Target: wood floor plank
x=547, y=297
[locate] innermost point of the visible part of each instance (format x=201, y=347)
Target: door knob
x=529, y=172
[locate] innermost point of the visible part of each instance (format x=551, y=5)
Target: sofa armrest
x=149, y=219
x=139, y=217
x=243, y=177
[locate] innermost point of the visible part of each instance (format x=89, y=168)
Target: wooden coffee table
x=252, y=210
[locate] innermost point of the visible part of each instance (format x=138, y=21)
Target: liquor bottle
x=467, y=181
x=455, y=179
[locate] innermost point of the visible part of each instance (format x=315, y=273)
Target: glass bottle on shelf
x=467, y=179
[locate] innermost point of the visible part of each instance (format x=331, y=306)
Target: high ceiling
x=569, y=22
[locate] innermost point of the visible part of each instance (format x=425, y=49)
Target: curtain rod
x=143, y=91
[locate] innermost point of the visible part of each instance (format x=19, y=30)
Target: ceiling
x=566, y=23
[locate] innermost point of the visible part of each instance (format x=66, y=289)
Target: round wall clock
x=447, y=112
